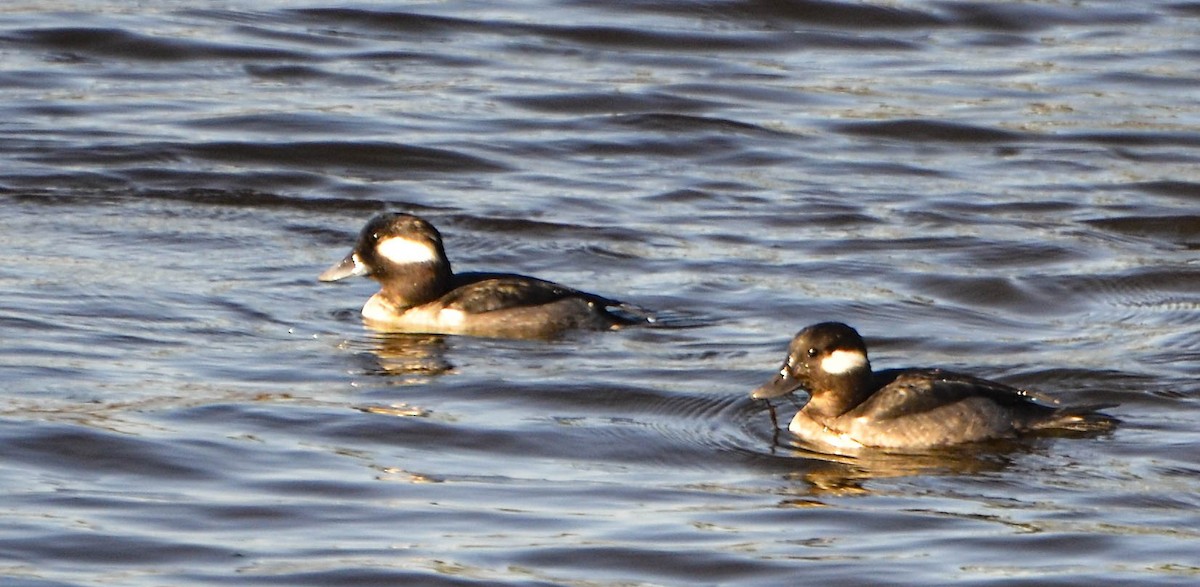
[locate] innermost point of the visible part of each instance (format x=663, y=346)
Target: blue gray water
x=1009, y=189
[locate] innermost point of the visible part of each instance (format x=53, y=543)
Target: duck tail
x=633, y=315
x=1083, y=418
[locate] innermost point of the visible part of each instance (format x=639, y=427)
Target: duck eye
x=812, y=352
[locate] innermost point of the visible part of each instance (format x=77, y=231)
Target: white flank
x=451, y=318
x=839, y=362
x=402, y=251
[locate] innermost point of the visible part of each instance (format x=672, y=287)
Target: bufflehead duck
x=851, y=408
x=419, y=293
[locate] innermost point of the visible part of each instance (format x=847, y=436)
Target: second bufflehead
x=852, y=407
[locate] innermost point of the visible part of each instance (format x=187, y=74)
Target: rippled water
x=1009, y=189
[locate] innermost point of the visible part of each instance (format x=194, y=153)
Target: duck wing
x=476, y=293
x=907, y=392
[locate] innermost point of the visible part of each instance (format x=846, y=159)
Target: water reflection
x=409, y=354
x=829, y=474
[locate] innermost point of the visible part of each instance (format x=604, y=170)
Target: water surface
x=1008, y=189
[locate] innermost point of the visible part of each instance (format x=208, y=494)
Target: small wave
x=929, y=131
x=105, y=43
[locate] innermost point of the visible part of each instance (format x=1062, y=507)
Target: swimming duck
x=420, y=293
x=852, y=407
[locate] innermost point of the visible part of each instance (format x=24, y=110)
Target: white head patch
x=402, y=251
x=840, y=361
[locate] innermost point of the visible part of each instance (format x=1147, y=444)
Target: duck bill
x=777, y=386
x=348, y=267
